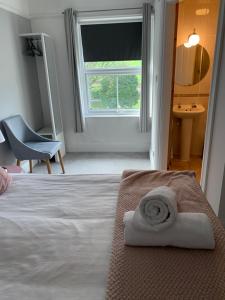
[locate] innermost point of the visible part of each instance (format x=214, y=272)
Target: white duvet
x=55, y=236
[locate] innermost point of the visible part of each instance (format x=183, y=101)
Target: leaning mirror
x=192, y=64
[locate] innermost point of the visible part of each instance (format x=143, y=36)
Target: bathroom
x=193, y=66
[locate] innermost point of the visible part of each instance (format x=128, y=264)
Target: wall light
x=187, y=44
x=193, y=40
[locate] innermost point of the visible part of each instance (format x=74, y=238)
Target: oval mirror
x=192, y=64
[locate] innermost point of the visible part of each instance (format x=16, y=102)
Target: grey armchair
x=26, y=144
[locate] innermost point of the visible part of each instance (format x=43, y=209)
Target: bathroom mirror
x=192, y=64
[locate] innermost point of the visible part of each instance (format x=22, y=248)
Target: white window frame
x=87, y=19
x=112, y=71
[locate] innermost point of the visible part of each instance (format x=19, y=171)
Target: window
x=112, y=67
x=113, y=86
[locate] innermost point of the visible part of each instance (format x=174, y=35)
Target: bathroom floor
x=194, y=164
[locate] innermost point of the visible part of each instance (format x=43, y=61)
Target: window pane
x=114, y=92
x=113, y=64
x=102, y=92
x=129, y=91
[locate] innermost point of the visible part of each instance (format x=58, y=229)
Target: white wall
x=51, y=7
x=19, y=91
x=19, y=7
x=102, y=133
x=217, y=155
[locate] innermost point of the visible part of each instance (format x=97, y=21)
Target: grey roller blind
x=112, y=42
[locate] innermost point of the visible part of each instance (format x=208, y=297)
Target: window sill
x=111, y=116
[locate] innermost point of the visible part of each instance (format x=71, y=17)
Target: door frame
x=165, y=13
x=160, y=162
x=213, y=95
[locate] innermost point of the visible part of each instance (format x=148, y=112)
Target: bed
x=55, y=236
x=56, y=240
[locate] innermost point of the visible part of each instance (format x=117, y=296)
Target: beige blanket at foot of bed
x=142, y=273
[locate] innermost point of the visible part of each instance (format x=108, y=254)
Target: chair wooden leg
x=48, y=166
x=18, y=162
x=61, y=162
x=31, y=167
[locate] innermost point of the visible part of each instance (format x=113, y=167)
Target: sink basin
x=187, y=111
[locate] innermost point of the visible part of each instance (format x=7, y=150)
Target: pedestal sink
x=187, y=113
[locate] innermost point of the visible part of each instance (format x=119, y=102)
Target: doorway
x=194, y=53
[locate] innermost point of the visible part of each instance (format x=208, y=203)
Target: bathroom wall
x=205, y=26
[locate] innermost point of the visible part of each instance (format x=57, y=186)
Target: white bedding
x=55, y=236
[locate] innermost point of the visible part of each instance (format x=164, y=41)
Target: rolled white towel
x=157, y=210
x=191, y=230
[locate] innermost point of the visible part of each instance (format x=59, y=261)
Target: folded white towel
x=191, y=230
x=157, y=210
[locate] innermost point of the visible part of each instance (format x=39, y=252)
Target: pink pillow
x=5, y=180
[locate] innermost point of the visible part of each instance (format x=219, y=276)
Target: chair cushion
x=49, y=148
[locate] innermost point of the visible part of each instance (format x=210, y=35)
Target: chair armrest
x=39, y=138
x=34, y=136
